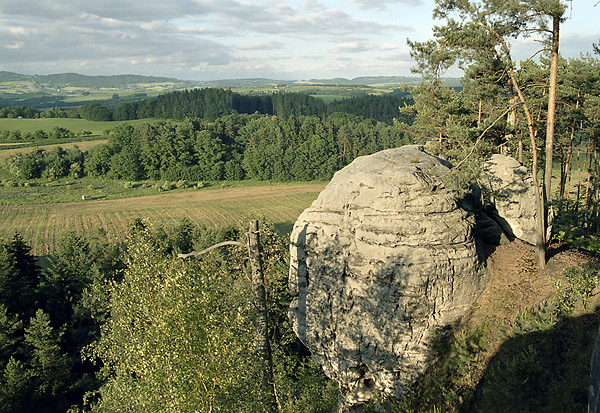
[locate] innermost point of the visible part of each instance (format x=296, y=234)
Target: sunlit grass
x=42, y=212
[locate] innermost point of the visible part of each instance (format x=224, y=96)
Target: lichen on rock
x=383, y=258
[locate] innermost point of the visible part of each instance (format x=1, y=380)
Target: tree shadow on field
x=547, y=369
x=283, y=228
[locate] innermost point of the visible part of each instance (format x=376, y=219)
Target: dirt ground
x=517, y=284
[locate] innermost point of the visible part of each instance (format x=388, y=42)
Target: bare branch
x=482, y=135
x=204, y=251
x=405, y=129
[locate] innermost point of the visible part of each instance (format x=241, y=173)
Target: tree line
x=233, y=147
x=211, y=103
x=57, y=132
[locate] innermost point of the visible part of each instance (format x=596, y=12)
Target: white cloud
x=311, y=5
x=387, y=46
x=261, y=46
x=349, y=47
x=382, y=4
x=15, y=45
x=21, y=31
x=208, y=38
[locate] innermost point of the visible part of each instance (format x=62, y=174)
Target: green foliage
x=578, y=285
x=517, y=382
x=577, y=227
x=44, y=324
x=450, y=382
x=96, y=112
x=583, y=281
x=383, y=108
x=49, y=368
x=235, y=147
x=185, y=236
x=540, y=365
x=179, y=336
x=50, y=164
x=19, y=111
x=19, y=278
x=15, y=386
x=299, y=380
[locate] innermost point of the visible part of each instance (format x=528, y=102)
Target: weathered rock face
x=382, y=258
x=594, y=389
x=511, y=191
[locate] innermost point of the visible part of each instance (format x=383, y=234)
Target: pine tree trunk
x=579, y=175
x=551, y=108
x=539, y=197
x=589, y=171
x=566, y=190
x=520, y=151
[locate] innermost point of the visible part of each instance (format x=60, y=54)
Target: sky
x=231, y=39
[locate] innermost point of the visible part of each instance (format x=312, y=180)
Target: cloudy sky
x=225, y=39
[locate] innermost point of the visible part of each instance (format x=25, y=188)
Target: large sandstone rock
x=509, y=186
x=381, y=259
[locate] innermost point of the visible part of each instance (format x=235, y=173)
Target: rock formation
x=594, y=389
x=381, y=259
x=509, y=186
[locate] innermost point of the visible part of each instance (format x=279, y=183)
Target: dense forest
x=87, y=331
x=209, y=104
x=233, y=147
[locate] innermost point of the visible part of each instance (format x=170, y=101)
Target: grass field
x=78, y=126
x=83, y=145
x=43, y=225
x=75, y=125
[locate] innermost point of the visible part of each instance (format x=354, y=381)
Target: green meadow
x=75, y=125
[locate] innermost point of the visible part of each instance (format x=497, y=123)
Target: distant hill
x=77, y=80
x=115, y=81
x=257, y=83
x=74, y=90
x=42, y=83
x=378, y=81
x=12, y=77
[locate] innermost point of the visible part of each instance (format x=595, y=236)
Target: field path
x=43, y=225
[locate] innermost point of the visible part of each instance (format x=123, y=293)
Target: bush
x=577, y=227
x=579, y=284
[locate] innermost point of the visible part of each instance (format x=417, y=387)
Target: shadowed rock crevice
x=381, y=259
